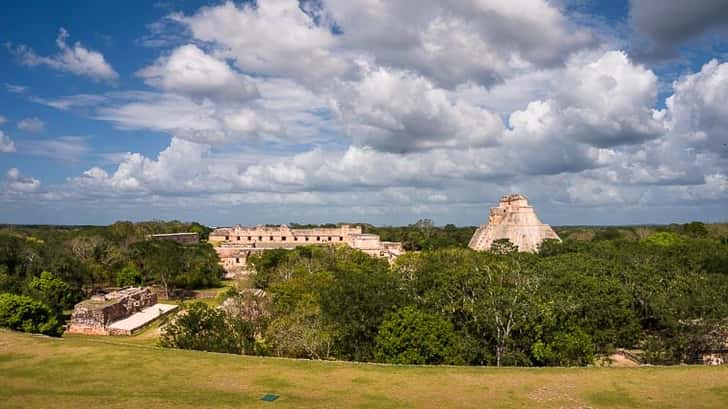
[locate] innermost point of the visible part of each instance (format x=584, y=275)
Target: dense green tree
x=22, y=313
x=205, y=328
x=565, y=349
x=129, y=276
x=362, y=292
x=411, y=336
x=52, y=291
x=695, y=229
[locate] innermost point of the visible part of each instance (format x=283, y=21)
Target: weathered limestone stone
x=514, y=219
x=94, y=316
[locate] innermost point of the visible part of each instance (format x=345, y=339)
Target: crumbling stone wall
x=93, y=316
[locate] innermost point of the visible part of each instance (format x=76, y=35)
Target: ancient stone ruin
x=514, y=219
x=94, y=316
x=235, y=244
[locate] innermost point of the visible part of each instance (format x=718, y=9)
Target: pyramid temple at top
x=514, y=219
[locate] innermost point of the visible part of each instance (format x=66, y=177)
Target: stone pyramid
x=514, y=219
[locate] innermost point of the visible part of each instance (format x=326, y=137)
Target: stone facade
x=514, y=219
x=181, y=238
x=235, y=244
x=94, y=316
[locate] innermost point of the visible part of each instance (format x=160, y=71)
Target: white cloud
x=458, y=41
x=6, y=144
x=2, y=120
x=63, y=149
x=600, y=100
x=698, y=110
x=31, y=125
x=202, y=121
x=71, y=102
x=189, y=71
x=397, y=111
x=16, y=182
x=274, y=37
x=77, y=59
x=15, y=89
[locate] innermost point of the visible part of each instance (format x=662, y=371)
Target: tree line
x=663, y=294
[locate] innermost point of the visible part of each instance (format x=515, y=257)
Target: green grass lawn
x=114, y=372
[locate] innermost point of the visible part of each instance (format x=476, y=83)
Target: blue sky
x=325, y=111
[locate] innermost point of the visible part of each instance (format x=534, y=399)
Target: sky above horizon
x=385, y=112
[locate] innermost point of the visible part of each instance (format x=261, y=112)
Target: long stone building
x=514, y=219
x=235, y=244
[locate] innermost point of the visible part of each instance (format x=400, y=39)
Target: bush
x=565, y=349
x=51, y=291
x=663, y=239
x=205, y=328
x=22, y=313
x=129, y=276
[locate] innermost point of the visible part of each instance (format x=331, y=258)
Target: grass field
x=104, y=372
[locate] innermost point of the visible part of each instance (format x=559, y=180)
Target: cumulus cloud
x=698, y=110
x=669, y=23
x=201, y=121
x=397, y=111
x=75, y=59
x=15, y=182
x=6, y=144
x=607, y=105
x=451, y=42
x=188, y=70
x=459, y=41
x=251, y=35
x=31, y=125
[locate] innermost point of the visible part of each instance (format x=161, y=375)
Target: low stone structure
x=235, y=244
x=514, y=219
x=95, y=315
x=181, y=238
x=137, y=321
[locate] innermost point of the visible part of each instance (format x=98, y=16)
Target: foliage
x=659, y=288
x=176, y=266
x=565, y=349
x=503, y=246
x=207, y=328
x=301, y=333
x=22, y=313
x=129, y=276
x=664, y=239
x=51, y=291
x=424, y=235
x=410, y=336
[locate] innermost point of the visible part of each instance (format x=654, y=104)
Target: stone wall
x=235, y=244
x=283, y=235
x=93, y=316
x=181, y=238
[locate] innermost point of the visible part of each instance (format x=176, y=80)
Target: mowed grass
x=90, y=372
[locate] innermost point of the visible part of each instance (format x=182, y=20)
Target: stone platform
x=137, y=321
